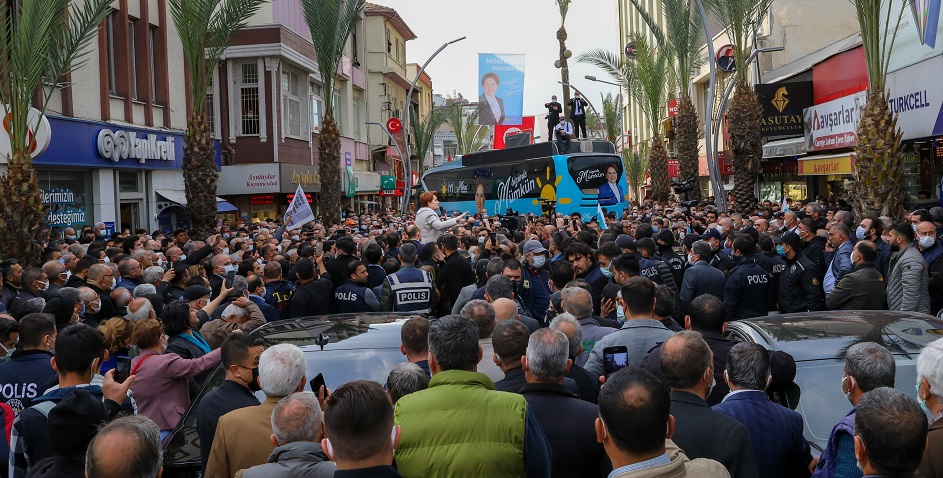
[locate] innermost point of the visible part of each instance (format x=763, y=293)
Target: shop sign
x=920, y=35
x=290, y=197
x=917, y=99
x=673, y=107
x=116, y=145
x=62, y=210
x=783, y=104
x=248, y=179
x=261, y=199
x=387, y=183
x=837, y=165
x=674, y=168
x=834, y=124
x=37, y=138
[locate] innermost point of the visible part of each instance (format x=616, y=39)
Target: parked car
x=818, y=342
x=343, y=347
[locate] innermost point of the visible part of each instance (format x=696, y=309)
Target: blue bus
x=525, y=177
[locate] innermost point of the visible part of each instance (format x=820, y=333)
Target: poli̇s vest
x=412, y=290
x=351, y=298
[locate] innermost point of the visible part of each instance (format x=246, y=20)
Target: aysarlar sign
x=782, y=107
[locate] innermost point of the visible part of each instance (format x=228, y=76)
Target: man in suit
x=242, y=436
x=775, y=431
x=701, y=432
x=490, y=107
x=563, y=131
x=863, y=287
x=577, y=107
x=553, y=115
x=841, y=259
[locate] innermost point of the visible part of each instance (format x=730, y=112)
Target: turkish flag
x=503, y=130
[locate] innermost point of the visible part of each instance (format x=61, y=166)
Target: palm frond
x=878, y=42
x=635, y=164
x=741, y=19
x=657, y=31
x=612, y=63
x=612, y=112
x=564, y=6
x=424, y=132
x=647, y=81
x=330, y=23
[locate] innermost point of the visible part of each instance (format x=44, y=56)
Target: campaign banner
x=921, y=31
x=503, y=131
x=500, y=89
x=299, y=210
x=914, y=94
x=783, y=104
x=834, y=124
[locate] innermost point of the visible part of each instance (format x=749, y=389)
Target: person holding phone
x=427, y=218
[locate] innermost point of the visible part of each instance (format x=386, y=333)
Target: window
x=248, y=85
x=338, y=120
x=210, y=105
x=353, y=44
x=112, y=80
x=132, y=49
x=292, y=108
x=356, y=115
x=389, y=45
x=317, y=107
x=152, y=47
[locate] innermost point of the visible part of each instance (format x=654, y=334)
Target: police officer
x=747, y=292
x=646, y=250
x=772, y=263
x=354, y=295
x=535, y=280
x=800, y=289
x=665, y=240
x=719, y=260
x=409, y=289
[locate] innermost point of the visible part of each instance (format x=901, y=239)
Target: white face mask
x=861, y=232
x=43, y=286
x=539, y=261
x=225, y=251
x=68, y=275
x=927, y=242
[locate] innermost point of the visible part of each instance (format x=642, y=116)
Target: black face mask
x=254, y=383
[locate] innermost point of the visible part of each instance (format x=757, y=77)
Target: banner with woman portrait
x=500, y=89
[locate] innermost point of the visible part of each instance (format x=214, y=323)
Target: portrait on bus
x=611, y=193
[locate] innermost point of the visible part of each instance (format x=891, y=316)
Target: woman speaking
x=430, y=226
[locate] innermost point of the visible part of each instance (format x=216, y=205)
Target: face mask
x=9, y=352
x=96, y=308
x=539, y=261
x=861, y=232
x=68, y=274
x=846, y=394
x=922, y=402
x=620, y=314
x=225, y=236
x=106, y=260
x=927, y=242
x=481, y=240
x=780, y=251
x=102, y=232
x=713, y=384
x=262, y=293
x=82, y=310
x=720, y=228
x=606, y=272
x=251, y=247
x=279, y=248
x=225, y=251
x=853, y=257
x=803, y=234
x=160, y=262
x=654, y=228
x=254, y=384
x=182, y=257
x=690, y=259
x=70, y=238
x=228, y=268
x=914, y=226
x=43, y=286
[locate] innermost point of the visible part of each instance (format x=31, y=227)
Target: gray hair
x=577, y=301
x=70, y=294
x=816, y=207
x=547, y=353
x=76, y=249
x=234, y=310
x=239, y=285
x=846, y=218
x=52, y=269
x=143, y=290
x=143, y=312
x=281, y=370
x=499, y=287
x=408, y=253
x=143, y=453
x=702, y=249
x=482, y=313
x=569, y=326
x=87, y=293
x=297, y=418
x=930, y=367
x=406, y=378
x=34, y=305
x=871, y=365
x=748, y=366
x=152, y=274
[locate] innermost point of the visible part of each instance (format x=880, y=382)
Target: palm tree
x=561, y=63
x=464, y=122
x=681, y=37
x=741, y=19
x=423, y=133
x=330, y=23
x=206, y=28
x=636, y=165
x=878, y=173
x=40, y=41
x=612, y=115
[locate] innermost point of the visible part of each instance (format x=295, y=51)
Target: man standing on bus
x=553, y=115
x=578, y=113
x=563, y=132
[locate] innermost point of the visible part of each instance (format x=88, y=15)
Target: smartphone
x=317, y=382
x=319, y=249
x=229, y=278
x=614, y=358
x=122, y=369
x=494, y=237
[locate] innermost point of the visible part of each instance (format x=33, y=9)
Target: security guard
x=354, y=295
x=535, y=279
x=772, y=263
x=800, y=289
x=666, y=240
x=748, y=285
x=719, y=260
x=409, y=289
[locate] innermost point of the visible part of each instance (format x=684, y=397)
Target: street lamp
x=593, y=78
x=407, y=178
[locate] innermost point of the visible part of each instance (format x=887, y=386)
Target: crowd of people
x=109, y=339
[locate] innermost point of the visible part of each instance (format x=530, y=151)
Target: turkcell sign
x=833, y=124
x=118, y=145
x=913, y=94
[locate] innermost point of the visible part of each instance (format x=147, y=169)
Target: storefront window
x=910, y=169
x=69, y=196
x=262, y=207
x=129, y=182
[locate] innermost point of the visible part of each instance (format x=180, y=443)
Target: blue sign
x=109, y=228
x=500, y=89
x=78, y=142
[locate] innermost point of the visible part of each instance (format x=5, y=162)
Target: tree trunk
x=745, y=116
x=878, y=176
x=687, y=136
x=658, y=169
x=564, y=68
x=200, y=177
x=22, y=212
x=329, y=161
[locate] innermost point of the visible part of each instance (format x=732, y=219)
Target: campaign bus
x=526, y=177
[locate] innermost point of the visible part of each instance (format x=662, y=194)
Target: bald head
x=504, y=309
x=140, y=309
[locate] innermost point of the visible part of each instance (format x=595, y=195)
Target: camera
x=548, y=206
x=681, y=187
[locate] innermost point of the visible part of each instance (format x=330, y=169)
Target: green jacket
x=460, y=426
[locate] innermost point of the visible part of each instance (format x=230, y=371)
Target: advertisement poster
x=501, y=132
x=834, y=124
x=500, y=89
x=921, y=31
x=783, y=104
x=916, y=98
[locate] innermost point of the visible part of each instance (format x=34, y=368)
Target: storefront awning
x=180, y=197
x=827, y=165
x=784, y=148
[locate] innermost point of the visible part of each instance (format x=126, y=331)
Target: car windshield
x=822, y=403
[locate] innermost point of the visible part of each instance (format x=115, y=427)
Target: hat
x=712, y=233
x=73, y=422
x=665, y=236
x=533, y=245
x=625, y=241
x=61, y=309
x=790, y=238
x=194, y=292
x=689, y=240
